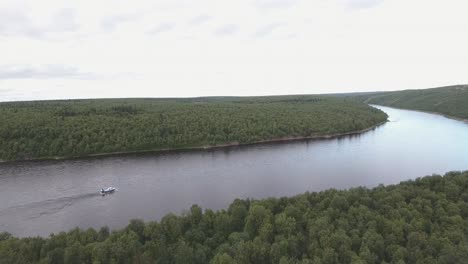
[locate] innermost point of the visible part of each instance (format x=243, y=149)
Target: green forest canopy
x=451, y=100
x=418, y=221
x=72, y=128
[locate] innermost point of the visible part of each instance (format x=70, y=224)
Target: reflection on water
x=42, y=197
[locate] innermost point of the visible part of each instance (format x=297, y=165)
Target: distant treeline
x=418, y=221
x=49, y=129
x=451, y=100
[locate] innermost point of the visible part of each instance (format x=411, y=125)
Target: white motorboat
x=108, y=190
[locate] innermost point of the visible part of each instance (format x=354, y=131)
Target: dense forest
x=72, y=128
x=418, y=221
x=451, y=101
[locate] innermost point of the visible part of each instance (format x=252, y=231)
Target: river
x=41, y=197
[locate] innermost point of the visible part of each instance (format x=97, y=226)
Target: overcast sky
x=52, y=49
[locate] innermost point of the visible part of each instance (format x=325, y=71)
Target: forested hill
x=451, y=101
x=420, y=221
x=51, y=129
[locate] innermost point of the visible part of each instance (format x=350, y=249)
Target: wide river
x=38, y=198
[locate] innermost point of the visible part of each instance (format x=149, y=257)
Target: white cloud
x=359, y=4
x=43, y=72
x=16, y=23
x=13, y=23
x=269, y=4
x=110, y=23
x=228, y=29
x=268, y=29
x=63, y=21
x=175, y=48
x=163, y=27
x=198, y=20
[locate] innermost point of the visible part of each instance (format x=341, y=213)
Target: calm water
x=37, y=198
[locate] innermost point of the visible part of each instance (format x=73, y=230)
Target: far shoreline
x=198, y=148
x=427, y=112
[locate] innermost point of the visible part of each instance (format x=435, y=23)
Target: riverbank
x=204, y=147
x=53, y=130
x=308, y=216
x=449, y=101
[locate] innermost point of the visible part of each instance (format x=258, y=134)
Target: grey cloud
x=267, y=30
x=110, y=23
x=45, y=72
x=227, y=29
x=200, y=20
x=15, y=23
x=362, y=4
x=63, y=21
x=270, y=4
x=164, y=27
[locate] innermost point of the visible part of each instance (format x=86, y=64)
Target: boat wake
x=46, y=207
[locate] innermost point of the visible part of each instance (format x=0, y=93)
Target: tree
x=257, y=216
x=222, y=259
x=386, y=224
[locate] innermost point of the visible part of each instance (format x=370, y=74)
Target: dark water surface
x=37, y=198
